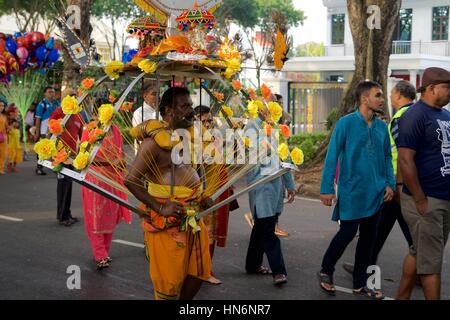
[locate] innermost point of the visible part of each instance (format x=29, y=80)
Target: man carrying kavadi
x=177, y=244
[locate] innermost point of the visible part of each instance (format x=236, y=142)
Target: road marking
x=350, y=291
x=308, y=199
x=10, y=218
x=128, y=243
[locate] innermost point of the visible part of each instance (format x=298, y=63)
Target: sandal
x=102, y=264
x=369, y=293
x=262, y=270
x=279, y=279
x=326, y=279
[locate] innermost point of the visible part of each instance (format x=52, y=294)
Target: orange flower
x=268, y=129
x=94, y=135
x=284, y=129
x=87, y=83
x=252, y=94
x=236, y=84
x=80, y=92
x=266, y=92
x=126, y=106
x=60, y=157
x=91, y=125
x=55, y=127
x=219, y=96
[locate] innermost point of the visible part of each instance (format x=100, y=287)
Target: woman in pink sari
x=102, y=215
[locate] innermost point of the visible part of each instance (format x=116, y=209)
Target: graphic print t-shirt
x=427, y=130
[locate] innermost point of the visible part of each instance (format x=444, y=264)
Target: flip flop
x=262, y=270
x=369, y=293
x=326, y=279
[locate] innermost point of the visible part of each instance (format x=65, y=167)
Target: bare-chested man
x=179, y=260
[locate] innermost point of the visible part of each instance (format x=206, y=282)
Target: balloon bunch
x=128, y=56
x=20, y=52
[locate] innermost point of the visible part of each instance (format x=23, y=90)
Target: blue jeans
x=347, y=231
x=263, y=240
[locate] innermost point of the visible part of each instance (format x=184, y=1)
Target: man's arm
x=38, y=116
x=335, y=147
x=408, y=169
x=288, y=181
x=136, y=184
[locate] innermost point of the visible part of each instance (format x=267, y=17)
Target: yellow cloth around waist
x=180, y=192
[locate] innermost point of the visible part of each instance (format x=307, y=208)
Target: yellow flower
x=247, y=142
x=81, y=160
x=227, y=110
x=254, y=107
x=45, y=149
x=70, y=105
x=233, y=67
x=113, y=69
x=147, y=66
x=283, y=151
x=297, y=156
x=276, y=111
x=105, y=113
x=83, y=146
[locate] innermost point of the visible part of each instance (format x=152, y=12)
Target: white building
x=421, y=40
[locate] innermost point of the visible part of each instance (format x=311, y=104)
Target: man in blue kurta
x=360, y=142
x=266, y=205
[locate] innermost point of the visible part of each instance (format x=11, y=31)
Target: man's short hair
x=278, y=97
x=201, y=109
x=48, y=87
x=148, y=86
x=364, y=87
x=406, y=89
x=168, y=98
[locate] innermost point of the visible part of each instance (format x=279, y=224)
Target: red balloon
x=29, y=41
x=2, y=45
x=2, y=36
x=41, y=37
x=22, y=42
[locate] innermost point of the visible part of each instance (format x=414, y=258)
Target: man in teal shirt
x=361, y=143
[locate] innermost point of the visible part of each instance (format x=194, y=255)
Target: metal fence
x=437, y=48
x=310, y=103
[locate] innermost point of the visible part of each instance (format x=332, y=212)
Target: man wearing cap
x=424, y=161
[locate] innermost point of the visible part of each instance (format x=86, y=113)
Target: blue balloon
x=132, y=53
x=17, y=34
x=50, y=43
x=125, y=57
x=41, y=53
x=11, y=45
x=53, y=56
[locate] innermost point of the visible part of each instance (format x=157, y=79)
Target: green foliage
x=243, y=12
x=309, y=143
x=116, y=9
x=332, y=118
x=310, y=49
x=293, y=16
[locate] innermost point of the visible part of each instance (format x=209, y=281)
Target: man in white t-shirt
x=148, y=109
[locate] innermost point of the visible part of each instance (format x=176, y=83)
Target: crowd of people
x=376, y=172
x=391, y=173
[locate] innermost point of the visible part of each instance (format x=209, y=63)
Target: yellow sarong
x=174, y=254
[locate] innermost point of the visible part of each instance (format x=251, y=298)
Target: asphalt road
x=36, y=251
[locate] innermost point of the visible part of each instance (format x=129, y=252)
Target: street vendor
x=178, y=252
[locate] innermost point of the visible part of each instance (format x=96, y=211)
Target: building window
x=440, y=22
x=337, y=28
x=403, y=30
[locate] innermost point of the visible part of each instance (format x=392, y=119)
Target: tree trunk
x=72, y=75
x=371, y=57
